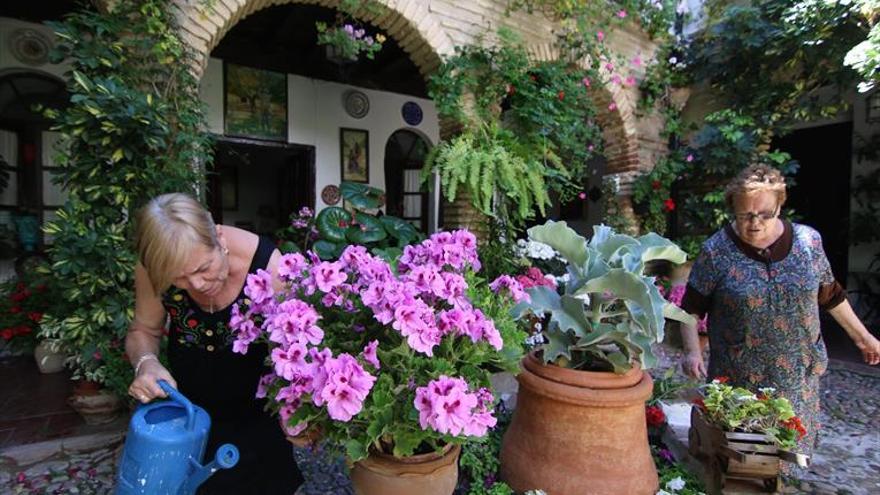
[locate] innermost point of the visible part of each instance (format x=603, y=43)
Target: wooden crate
x=737, y=462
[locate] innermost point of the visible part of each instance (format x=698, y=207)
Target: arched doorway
x=406, y=197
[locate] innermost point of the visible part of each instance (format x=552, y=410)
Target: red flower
x=533, y=77
x=18, y=297
x=7, y=334
x=721, y=379
x=15, y=309
x=699, y=403
x=561, y=95
x=97, y=355
x=795, y=424
x=669, y=204
x=655, y=185
x=35, y=316
x=192, y=322
x=511, y=89
x=343, y=223
x=655, y=417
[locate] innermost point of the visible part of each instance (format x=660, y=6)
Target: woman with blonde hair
x=762, y=280
x=190, y=273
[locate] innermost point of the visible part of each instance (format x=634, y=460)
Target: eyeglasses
x=763, y=216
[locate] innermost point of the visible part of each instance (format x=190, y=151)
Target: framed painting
x=354, y=153
x=255, y=102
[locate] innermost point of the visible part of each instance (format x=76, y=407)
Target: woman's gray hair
x=755, y=179
x=168, y=229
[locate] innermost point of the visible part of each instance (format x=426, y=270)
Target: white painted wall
x=316, y=114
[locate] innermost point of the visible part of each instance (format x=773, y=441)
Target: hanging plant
x=346, y=40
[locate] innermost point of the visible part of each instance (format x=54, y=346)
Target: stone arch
x=407, y=21
x=618, y=121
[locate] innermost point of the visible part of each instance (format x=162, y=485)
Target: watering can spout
x=225, y=458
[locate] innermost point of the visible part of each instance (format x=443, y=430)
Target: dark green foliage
x=335, y=228
x=134, y=130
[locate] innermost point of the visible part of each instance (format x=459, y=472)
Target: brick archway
x=407, y=21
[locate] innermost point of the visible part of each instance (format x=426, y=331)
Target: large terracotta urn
x=424, y=474
x=579, y=432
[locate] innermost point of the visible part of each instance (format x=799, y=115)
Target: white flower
x=673, y=60
x=675, y=484
x=663, y=492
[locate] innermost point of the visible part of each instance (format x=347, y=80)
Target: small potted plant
x=744, y=434
x=579, y=426
x=23, y=302
x=389, y=360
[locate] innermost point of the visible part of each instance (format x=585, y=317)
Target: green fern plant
x=486, y=164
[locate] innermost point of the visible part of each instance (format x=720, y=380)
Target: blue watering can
x=164, y=447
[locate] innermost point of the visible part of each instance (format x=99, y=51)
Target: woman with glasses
x=762, y=280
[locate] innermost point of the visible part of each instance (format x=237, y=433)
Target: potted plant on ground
x=389, y=361
x=23, y=302
x=579, y=426
x=738, y=433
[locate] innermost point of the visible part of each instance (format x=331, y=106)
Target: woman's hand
x=692, y=364
x=145, y=386
x=870, y=347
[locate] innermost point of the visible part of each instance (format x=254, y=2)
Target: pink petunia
x=370, y=355
x=346, y=387
x=259, y=286
x=291, y=266
x=328, y=275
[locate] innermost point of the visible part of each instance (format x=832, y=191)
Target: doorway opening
x=406, y=197
x=256, y=185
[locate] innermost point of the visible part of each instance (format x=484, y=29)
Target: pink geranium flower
x=346, y=387
x=259, y=286
x=370, y=354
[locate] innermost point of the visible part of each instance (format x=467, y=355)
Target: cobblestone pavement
x=847, y=460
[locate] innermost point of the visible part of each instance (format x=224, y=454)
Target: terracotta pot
x=48, y=360
x=96, y=405
x=424, y=474
x=579, y=432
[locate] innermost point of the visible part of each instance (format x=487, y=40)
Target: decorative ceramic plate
x=412, y=113
x=330, y=195
x=29, y=46
x=356, y=103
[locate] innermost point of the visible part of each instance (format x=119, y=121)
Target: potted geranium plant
x=751, y=431
x=391, y=361
x=579, y=426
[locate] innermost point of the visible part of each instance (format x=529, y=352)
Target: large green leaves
x=609, y=311
x=333, y=223
x=563, y=239
x=365, y=229
x=362, y=196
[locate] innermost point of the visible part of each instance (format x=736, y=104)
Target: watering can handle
x=176, y=396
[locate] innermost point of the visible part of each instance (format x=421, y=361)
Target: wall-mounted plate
x=412, y=113
x=356, y=103
x=29, y=46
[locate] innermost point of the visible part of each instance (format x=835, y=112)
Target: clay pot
x=424, y=474
x=579, y=432
x=48, y=360
x=96, y=405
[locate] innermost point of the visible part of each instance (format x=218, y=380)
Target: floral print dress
x=763, y=308
x=224, y=383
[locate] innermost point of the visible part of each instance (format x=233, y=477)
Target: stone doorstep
x=19, y=457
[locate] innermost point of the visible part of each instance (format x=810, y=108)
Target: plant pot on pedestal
x=579, y=432
x=95, y=404
x=423, y=474
x=48, y=360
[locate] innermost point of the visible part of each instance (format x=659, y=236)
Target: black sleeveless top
x=224, y=383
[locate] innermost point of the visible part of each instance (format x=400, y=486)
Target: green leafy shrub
x=133, y=130
x=335, y=228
